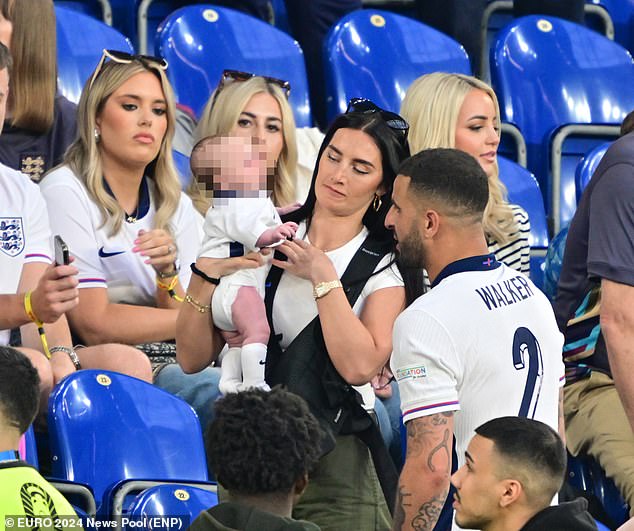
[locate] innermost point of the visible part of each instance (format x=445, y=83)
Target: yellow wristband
x=170, y=288
x=28, y=308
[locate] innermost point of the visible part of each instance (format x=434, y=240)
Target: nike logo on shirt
x=105, y=254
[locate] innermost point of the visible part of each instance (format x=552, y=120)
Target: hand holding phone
x=62, y=255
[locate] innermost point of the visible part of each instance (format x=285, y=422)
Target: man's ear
x=300, y=486
x=512, y=490
x=429, y=223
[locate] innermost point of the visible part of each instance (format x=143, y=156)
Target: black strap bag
x=305, y=368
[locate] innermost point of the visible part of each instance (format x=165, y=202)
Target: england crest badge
x=11, y=236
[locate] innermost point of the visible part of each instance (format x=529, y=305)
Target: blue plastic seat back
x=587, y=166
x=80, y=43
x=90, y=8
x=377, y=55
x=585, y=473
x=199, y=42
x=106, y=427
x=183, y=501
x=553, y=263
x=621, y=12
x=523, y=190
x=548, y=73
x=181, y=162
x=30, y=448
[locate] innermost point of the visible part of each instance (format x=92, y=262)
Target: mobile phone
x=62, y=256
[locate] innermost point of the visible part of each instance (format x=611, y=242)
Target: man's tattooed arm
x=424, y=481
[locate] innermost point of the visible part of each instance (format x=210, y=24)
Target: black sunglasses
x=392, y=120
x=237, y=75
x=126, y=58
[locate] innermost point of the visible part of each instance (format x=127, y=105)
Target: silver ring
x=170, y=249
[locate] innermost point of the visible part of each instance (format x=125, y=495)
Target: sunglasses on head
x=392, y=120
x=126, y=58
x=237, y=75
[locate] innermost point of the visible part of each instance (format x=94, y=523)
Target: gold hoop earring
x=377, y=202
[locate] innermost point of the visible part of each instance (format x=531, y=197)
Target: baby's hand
x=273, y=236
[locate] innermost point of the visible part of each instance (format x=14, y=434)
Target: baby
x=242, y=219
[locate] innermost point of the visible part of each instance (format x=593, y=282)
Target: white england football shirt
x=106, y=261
x=25, y=235
x=483, y=343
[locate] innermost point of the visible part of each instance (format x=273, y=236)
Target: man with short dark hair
x=23, y=491
x=261, y=446
x=513, y=469
x=482, y=343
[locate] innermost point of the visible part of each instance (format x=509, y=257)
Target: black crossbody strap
x=359, y=269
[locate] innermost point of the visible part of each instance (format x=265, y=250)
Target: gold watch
x=324, y=288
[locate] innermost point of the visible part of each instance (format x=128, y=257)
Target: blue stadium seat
x=80, y=43
x=584, y=473
x=99, y=9
x=562, y=85
x=587, y=165
x=377, y=55
x=199, y=42
x=523, y=190
x=621, y=13
x=181, y=162
x=174, y=500
x=120, y=435
x=30, y=448
x=553, y=262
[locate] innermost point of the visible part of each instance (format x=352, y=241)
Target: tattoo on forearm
x=419, y=428
x=402, y=501
x=442, y=445
x=428, y=514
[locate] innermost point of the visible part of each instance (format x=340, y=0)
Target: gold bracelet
x=196, y=304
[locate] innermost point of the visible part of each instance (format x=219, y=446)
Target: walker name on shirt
x=505, y=293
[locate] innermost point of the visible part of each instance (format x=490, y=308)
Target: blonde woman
x=117, y=202
x=244, y=104
x=458, y=111
x=40, y=123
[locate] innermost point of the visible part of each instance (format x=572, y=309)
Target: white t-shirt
x=25, y=235
x=484, y=343
x=294, y=306
x=108, y=261
x=232, y=228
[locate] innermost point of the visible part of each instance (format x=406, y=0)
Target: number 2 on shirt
x=528, y=355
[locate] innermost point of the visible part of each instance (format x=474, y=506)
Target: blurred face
x=402, y=220
x=478, y=490
x=350, y=173
x=4, y=94
x=231, y=164
x=133, y=122
x=477, y=129
x=262, y=118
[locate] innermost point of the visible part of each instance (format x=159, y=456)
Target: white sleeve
x=425, y=364
x=187, y=229
x=38, y=241
x=71, y=219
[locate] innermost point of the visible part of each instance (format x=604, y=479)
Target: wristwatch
x=324, y=288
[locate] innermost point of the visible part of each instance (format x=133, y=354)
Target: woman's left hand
x=159, y=249
x=306, y=261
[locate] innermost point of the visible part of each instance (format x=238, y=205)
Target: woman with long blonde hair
x=244, y=104
x=117, y=202
x=462, y=112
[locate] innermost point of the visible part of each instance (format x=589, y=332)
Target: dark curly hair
x=19, y=388
x=262, y=442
